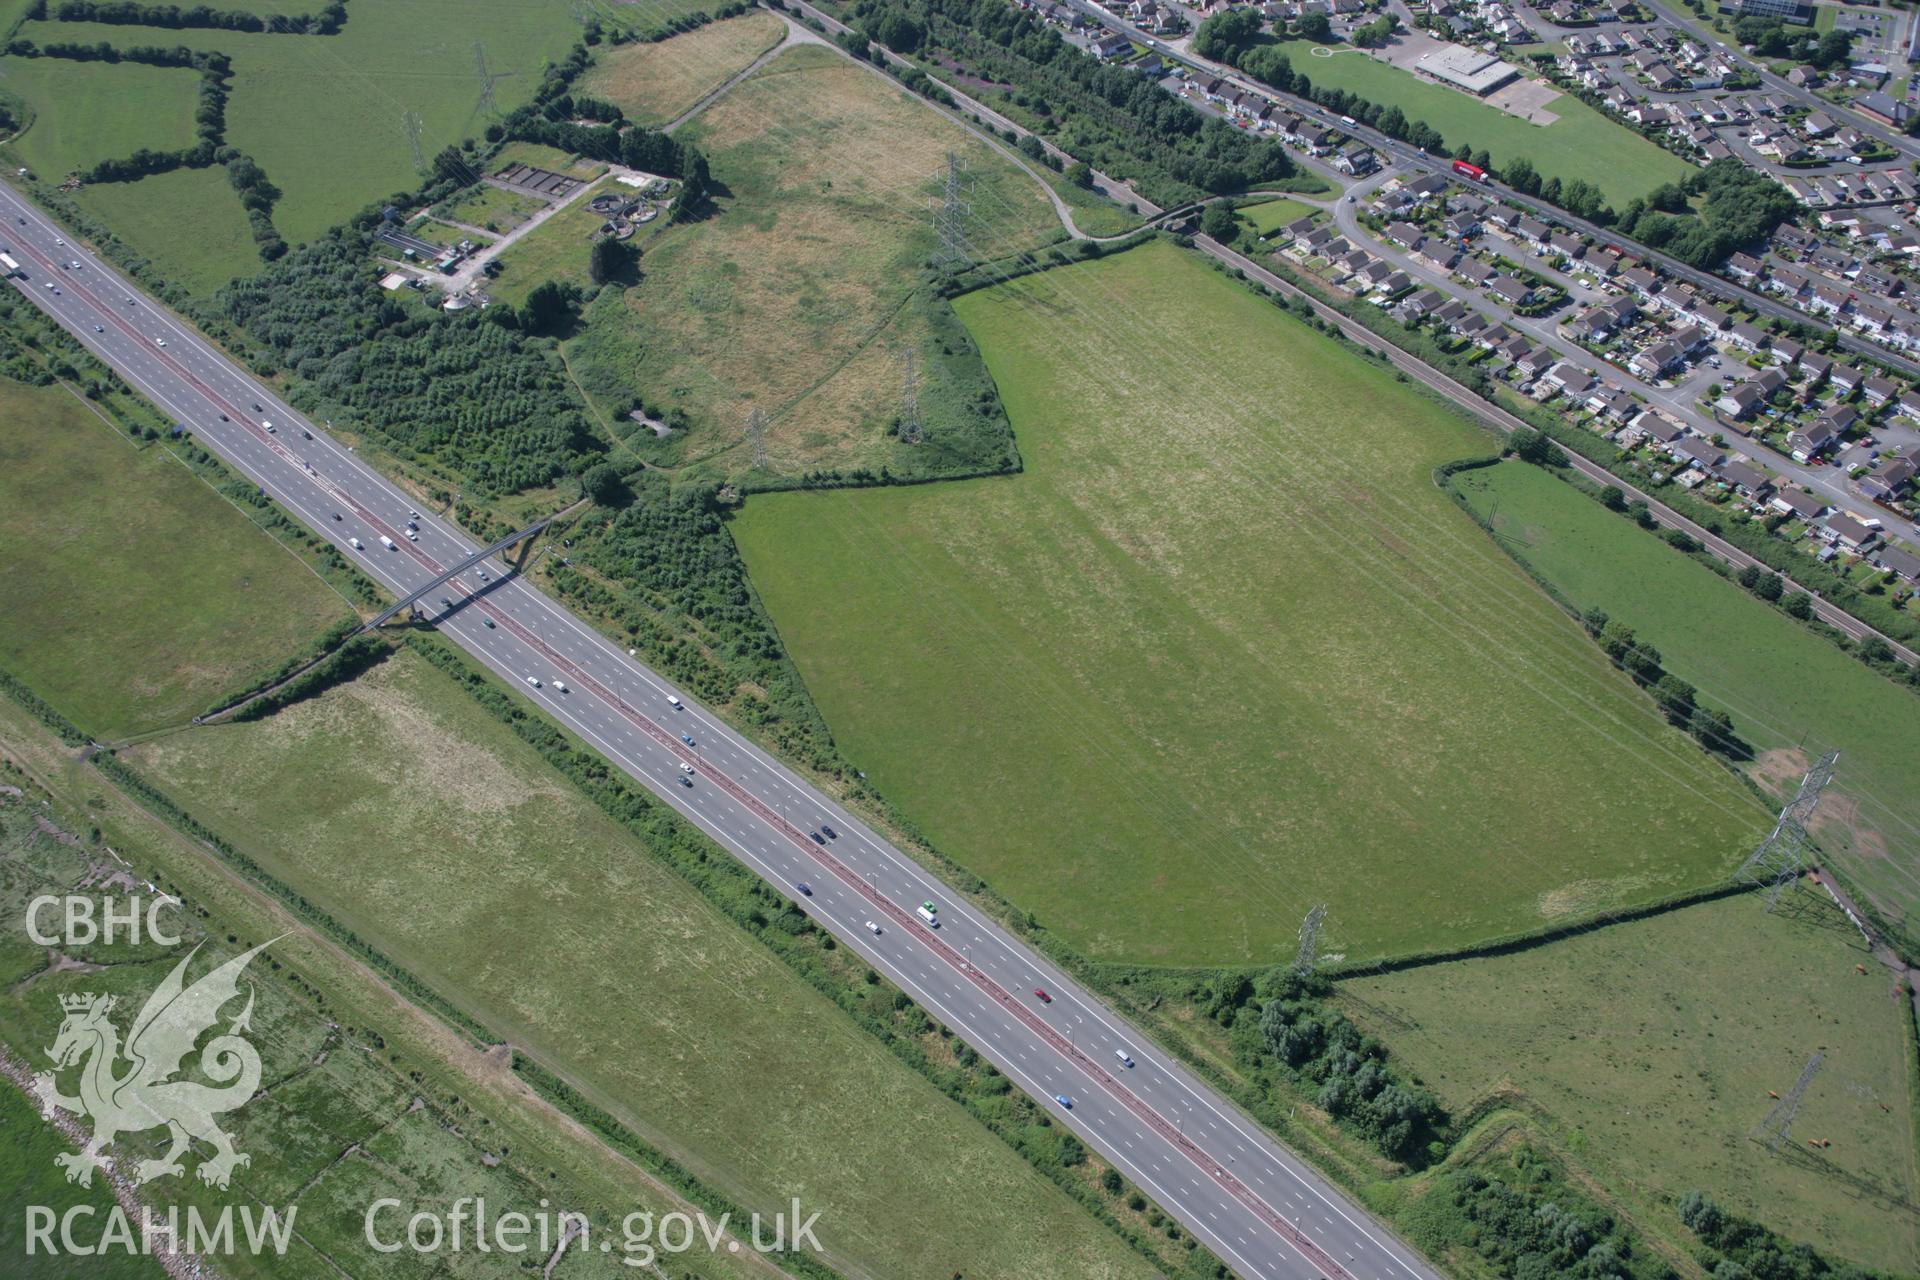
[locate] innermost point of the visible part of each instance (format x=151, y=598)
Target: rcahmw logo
x=131, y=1086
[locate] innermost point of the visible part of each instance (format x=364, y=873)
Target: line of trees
x=1525, y=1222
x=326, y=22
x=1738, y=1249
x=1677, y=699
x=1113, y=118
x=1292, y=1039
x=256, y=192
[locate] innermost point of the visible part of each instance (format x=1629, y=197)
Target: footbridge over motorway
x=407, y=601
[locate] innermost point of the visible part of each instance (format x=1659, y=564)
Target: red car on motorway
x=1040, y=994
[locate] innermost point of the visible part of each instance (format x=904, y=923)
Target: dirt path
x=796, y=35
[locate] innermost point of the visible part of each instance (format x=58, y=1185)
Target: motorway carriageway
x=1260, y=1209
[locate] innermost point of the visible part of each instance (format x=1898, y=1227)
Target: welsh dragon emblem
x=144, y=1095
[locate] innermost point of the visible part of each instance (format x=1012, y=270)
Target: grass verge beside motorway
x=1792, y=694
x=362, y=1096
x=1143, y=688
x=1650, y=1051
x=134, y=596
x=397, y=790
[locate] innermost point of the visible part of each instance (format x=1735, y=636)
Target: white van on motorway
x=355, y=544
x=387, y=542
x=926, y=911
x=1126, y=1059
x=673, y=702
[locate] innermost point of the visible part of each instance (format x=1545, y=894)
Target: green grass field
x=134, y=596
x=1271, y=215
x=1224, y=651
x=149, y=215
x=1649, y=1049
x=792, y=297
x=86, y=112
x=329, y=117
x=423, y=824
x=655, y=82
x=1581, y=143
x=1790, y=692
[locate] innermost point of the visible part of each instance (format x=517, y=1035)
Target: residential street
x=1677, y=401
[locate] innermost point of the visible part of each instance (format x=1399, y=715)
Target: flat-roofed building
x=1470, y=69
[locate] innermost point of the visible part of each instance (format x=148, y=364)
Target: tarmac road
x=1262, y=1211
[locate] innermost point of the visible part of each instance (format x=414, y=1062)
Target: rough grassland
x=1789, y=691
x=86, y=112
x=326, y=116
x=347, y=1114
x=424, y=825
x=655, y=82
x=148, y=216
x=133, y=597
x=1651, y=1048
x=783, y=298
x=1224, y=651
x=1582, y=143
